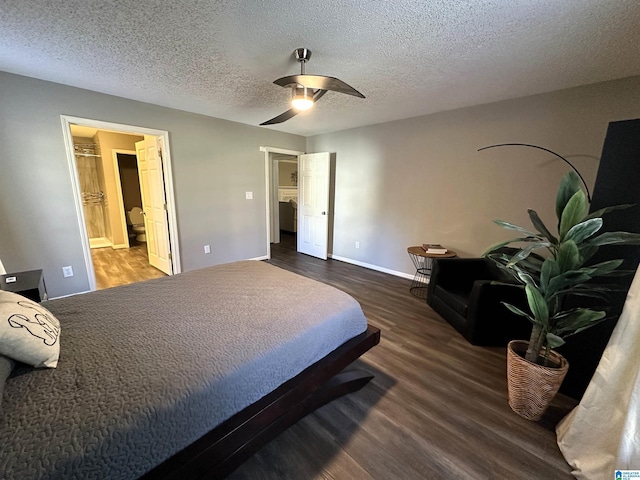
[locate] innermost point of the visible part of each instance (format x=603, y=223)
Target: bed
x=181, y=377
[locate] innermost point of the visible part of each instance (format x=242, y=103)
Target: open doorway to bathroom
x=124, y=244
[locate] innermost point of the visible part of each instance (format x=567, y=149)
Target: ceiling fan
x=308, y=89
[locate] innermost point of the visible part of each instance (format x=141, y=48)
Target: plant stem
x=535, y=344
x=547, y=352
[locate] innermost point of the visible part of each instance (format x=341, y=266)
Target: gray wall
x=421, y=180
x=214, y=163
x=285, y=169
x=396, y=184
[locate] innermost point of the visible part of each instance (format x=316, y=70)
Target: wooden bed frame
x=227, y=446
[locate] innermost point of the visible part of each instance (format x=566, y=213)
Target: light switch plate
x=249, y=195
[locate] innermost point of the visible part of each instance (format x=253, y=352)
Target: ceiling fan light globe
x=301, y=103
x=301, y=98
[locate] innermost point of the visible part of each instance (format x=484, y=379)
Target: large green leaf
x=542, y=228
x=565, y=280
x=537, y=305
x=531, y=267
x=573, y=213
x=590, y=290
x=509, y=271
x=517, y=228
x=613, y=238
x=569, y=185
x=499, y=258
x=554, y=341
x=568, y=256
x=602, y=268
x=526, y=251
x=550, y=269
x=583, y=230
x=532, y=262
x=595, y=287
x=581, y=275
x=577, y=320
x=517, y=311
x=586, y=252
x=525, y=277
x=521, y=275
x=499, y=245
x=525, y=271
x=617, y=273
x=605, y=210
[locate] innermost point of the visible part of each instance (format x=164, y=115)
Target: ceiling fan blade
x=318, y=95
x=292, y=112
x=319, y=82
x=283, y=117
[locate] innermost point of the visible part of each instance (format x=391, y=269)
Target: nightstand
x=29, y=284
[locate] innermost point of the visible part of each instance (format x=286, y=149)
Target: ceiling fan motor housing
x=302, y=54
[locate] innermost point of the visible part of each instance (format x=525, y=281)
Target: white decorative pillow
x=29, y=332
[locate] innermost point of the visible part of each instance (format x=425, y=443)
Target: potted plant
x=554, y=283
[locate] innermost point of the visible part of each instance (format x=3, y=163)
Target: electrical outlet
x=249, y=195
x=357, y=244
x=67, y=271
x=207, y=249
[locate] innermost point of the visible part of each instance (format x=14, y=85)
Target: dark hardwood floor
x=436, y=409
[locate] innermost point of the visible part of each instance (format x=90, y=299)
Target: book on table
x=434, y=248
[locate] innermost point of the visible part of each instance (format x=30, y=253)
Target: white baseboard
x=99, y=242
x=119, y=245
x=69, y=295
x=373, y=267
x=370, y=266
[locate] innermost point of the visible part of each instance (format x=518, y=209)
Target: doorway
x=115, y=253
x=127, y=178
x=314, y=189
x=286, y=214
x=275, y=195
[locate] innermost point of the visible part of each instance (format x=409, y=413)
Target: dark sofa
x=462, y=291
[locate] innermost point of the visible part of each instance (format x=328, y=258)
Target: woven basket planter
x=532, y=386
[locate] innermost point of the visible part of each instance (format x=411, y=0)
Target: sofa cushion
x=457, y=300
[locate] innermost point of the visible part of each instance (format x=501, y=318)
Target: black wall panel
x=617, y=182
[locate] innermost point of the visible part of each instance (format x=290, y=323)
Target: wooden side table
x=29, y=284
x=423, y=262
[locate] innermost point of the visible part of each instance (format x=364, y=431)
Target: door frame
x=269, y=179
x=163, y=137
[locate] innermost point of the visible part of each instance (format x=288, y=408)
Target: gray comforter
x=146, y=369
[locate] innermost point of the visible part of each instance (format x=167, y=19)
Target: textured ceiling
x=409, y=57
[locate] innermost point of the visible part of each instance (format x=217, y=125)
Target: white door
x=313, y=204
x=153, y=204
